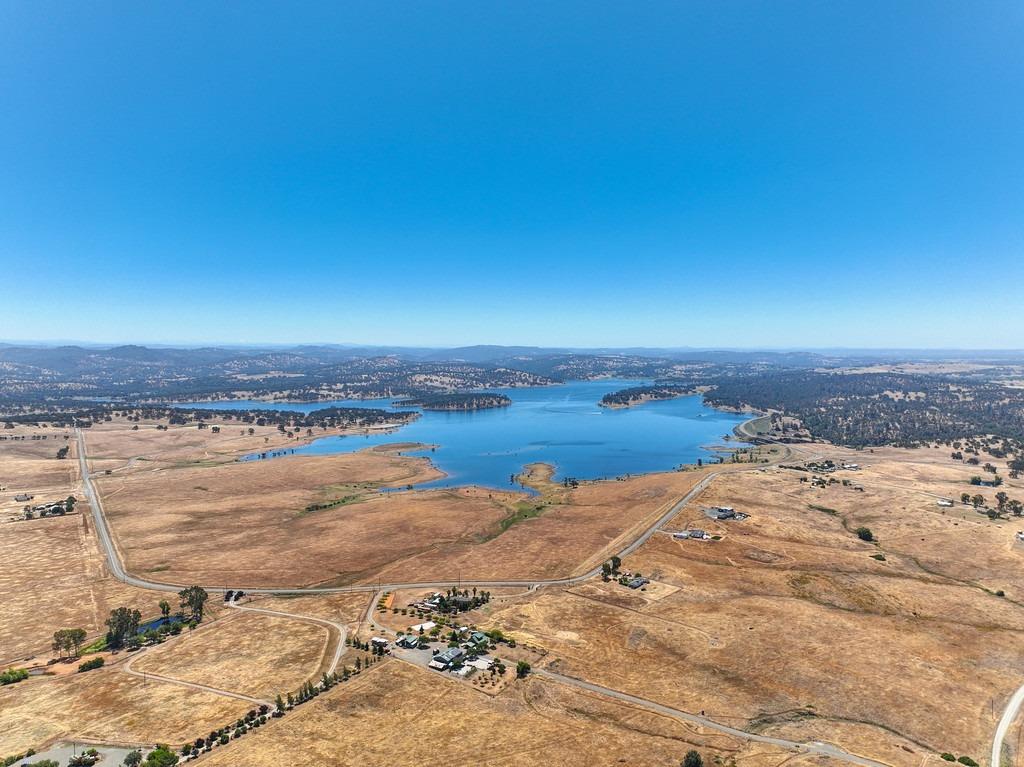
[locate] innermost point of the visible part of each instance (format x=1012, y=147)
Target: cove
x=561, y=425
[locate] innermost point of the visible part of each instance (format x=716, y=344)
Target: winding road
x=116, y=566
x=331, y=625
x=146, y=675
x=1007, y=719
x=814, y=747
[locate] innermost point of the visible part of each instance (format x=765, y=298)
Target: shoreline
x=741, y=431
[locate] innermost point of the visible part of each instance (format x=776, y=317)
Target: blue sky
x=706, y=174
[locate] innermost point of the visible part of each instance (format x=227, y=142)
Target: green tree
x=161, y=756
x=1001, y=499
x=692, y=759
x=133, y=759
x=865, y=534
x=606, y=570
x=279, y=703
x=977, y=500
x=122, y=624
x=165, y=607
x=522, y=669
x=194, y=598
x=616, y=564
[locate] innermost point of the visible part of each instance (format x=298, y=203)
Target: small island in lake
x=638, y=394
x=456, y=401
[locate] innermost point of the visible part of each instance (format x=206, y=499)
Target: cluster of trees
x=1004, y=504
x=123, y=623
x=869, y=409
x=12, y=675
x=456, y=401
x=611, y=568
x=192, y=599
x=220, y=737
x=68, y=641
x=635, y=394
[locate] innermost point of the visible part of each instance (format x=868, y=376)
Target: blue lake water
x=562, y=425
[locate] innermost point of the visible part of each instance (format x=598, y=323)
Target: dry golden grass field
x=248, y=653
x=109, y=706
x=223, y=523
x=51, y=571
x=346, y=609
x=398, y=715
x=787, y=623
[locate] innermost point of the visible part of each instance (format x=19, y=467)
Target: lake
x=561, y=425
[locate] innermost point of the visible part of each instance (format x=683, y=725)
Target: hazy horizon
x=267, y=345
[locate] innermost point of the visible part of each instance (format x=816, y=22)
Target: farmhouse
x=409, y=641
x=635, y=583
x=420, y=627
x=445, y=659
x=478, y=640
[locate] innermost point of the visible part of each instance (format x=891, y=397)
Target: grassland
x=247, y=653
x=108, y=706
x=51, y=570
x=398, y=715
x=301, y=520
x=789, y=625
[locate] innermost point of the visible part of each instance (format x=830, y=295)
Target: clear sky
x=568, y=173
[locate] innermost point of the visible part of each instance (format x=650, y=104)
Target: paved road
x=340, y=628
x=1009, y=714
x=117, y=568
x=127, y=668
x=814, y=747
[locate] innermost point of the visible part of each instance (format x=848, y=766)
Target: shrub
x=865, y=534
x=90, y=664
x=12, y=675
x=966, y=760
x=948, y=757
x=692, y=759
x=161, y=756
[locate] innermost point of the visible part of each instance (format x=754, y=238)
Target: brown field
x=116, y=447
x=568, y=537
x=247, y=653
x=108, y=706
x=788, y=624
x=220, y=522
x=346, y=609
x=51, y=571
x=247, y=522
x=399, y=715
